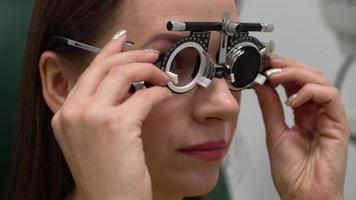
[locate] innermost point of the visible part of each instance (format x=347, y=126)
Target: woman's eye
x=179, y=64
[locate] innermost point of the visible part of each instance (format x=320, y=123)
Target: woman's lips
x=210, y=151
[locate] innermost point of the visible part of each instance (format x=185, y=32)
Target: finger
x=272, y=112
x=94, y=72
x=117, y=83
x=142, y=102
x=91, y=78
x=284, y=63
x=144, y=56
x=324, y=96
x=296, y=75
x=116, y=45
x=94, y=77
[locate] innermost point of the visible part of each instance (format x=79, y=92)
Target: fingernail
x=129, y=46
x=119, y=34
x=272, y=72
x=152, y=51
x=291, y=100
x=173, y=77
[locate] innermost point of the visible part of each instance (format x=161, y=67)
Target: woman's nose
x=216, y=103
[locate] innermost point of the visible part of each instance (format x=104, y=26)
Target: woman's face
x=197, y=117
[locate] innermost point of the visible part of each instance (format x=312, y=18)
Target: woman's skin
x=308, y=160
x=121, y=146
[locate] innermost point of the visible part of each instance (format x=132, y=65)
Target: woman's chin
x=190, y=184
x=202, y=186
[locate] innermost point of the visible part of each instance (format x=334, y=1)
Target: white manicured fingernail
x=291, y=99
x=152, y=51
x=173, y=77
x=272, y=72
x=119, y=34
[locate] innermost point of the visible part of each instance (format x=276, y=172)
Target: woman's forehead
x=188, y=10
x=150, y=17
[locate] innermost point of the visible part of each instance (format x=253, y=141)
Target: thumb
x=272, y=112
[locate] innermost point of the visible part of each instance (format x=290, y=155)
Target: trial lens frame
x=234, y=38
x=229, y=30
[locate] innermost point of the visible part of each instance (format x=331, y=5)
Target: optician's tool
x=240, y=58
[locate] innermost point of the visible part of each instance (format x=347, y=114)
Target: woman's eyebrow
x=170, y=37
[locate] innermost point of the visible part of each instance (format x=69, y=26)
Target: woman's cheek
x=160, y=125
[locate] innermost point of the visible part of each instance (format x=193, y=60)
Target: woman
x=83, y=135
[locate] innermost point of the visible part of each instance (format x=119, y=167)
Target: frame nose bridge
x=214, y=46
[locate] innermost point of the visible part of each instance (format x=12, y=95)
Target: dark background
x=14, y=23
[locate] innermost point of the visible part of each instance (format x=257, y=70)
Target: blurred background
x=14, y=21
x=303, y=31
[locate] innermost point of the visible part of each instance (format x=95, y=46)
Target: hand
x=308, y=160
x=99, y=126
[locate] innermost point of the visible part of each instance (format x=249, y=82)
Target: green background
x=14, y=22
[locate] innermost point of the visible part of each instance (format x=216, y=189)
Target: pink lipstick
x=210, y=151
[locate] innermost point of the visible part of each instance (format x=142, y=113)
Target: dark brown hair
x=39, y=169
